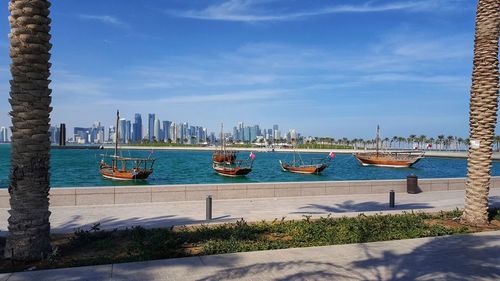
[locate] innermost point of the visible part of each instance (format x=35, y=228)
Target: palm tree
x=449, y=141
x=411, y=139
x=459, y=141
x=394, y=139
x=421, y=141
x=29, y=227
x=483, y=111
x=430, y=141
x=441, y=140
x=400, y=140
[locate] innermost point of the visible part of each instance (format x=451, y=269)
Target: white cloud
x=106, y=19
x=224, y=98
x=253, y=11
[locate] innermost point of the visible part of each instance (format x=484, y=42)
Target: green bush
x=139, y=243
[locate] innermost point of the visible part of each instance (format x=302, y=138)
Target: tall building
x=211, y=138
x=53, y=134
x=81, y=135
x=128, y=131
x=182, y=132
x=97, y=133
x=122, y=130
x=235, y=133
x=246, y=134
x=151, y=125
x=254, y=132
x=4, y=135
x=157, y=130
x=241, y=132
x=112, y=134
x=276, y=132
x=292, y=136
x=137, y=129
x=166, y=131
x=174, y=132
x=205, y=135
x=62, y=134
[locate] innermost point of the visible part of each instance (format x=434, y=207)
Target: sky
x=326, y=68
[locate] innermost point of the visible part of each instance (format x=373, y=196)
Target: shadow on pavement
x=351, y=206
x=459, y=257
x=109, y=223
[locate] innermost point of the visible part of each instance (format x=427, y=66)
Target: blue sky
x=329, y=68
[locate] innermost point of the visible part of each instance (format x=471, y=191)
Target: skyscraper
x=276, y=132
x=166, y=131
x=137, y=129
x=112, y=134
x=157, y=130
x=122, y=130
x=174, y=132
x=246, y=134
x=53, y=134
x=241, y=131
x=151, y=125
x=128, y=131
x=62, y=134
x=97, y=133
x=81, y=135
x=4, y=135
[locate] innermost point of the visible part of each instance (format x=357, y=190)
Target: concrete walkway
x=67, y=219
x=459, y=257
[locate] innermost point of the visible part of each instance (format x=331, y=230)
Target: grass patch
x=96, y=246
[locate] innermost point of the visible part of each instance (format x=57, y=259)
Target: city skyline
x=330, y=69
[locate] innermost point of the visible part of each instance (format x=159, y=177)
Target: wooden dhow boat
x=392, y=159
x=237, y=168
x=125, y=168
x=310, y=166
x=225, y=163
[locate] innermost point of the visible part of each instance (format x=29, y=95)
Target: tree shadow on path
x=350, y=206
x=459, y=257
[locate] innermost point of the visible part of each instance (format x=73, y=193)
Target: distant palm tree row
x=440, y=142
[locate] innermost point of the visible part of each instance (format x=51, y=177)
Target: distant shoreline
x=428, y=153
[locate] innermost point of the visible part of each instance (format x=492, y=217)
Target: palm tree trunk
x=483, y=111
x=29, y=227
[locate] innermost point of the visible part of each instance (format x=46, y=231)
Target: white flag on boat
x=332, y=155
x=252, y=156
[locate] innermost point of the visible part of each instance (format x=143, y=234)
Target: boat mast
x=116, y=133
x=223, y=145
x=378, y=137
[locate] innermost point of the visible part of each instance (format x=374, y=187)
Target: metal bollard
x=392, y=197
x=209, y=207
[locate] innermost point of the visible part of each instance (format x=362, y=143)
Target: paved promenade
x=67, y=219
x=459, y=257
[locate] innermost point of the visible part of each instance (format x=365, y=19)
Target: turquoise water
x=79, y=168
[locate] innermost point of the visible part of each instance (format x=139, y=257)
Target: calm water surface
x=79, y=168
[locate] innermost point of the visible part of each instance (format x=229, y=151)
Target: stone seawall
x=169, y=193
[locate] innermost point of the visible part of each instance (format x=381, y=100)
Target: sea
x=80, y=168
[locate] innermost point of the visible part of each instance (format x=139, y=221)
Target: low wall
x=169, y=193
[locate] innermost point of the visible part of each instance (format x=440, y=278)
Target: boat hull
x=124, y=175
x=303, y=170
x=386, y=161
x=233, y=172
